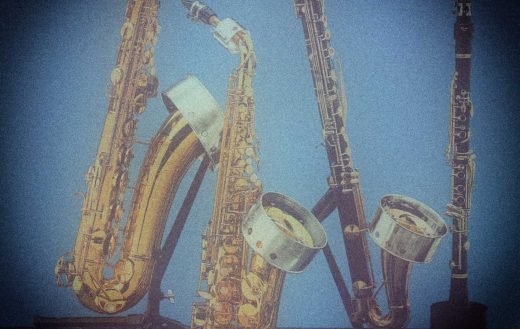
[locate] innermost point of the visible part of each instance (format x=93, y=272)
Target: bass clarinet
x=406, y=230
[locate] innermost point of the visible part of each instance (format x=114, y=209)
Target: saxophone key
x=199, y=315
x=111, y=301
x=253, y=287
x=232, y=245
x=227, y=290
x=222, y=313
x=228, y=264
x=248, y=315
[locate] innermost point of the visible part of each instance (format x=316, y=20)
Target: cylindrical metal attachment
x=283, y=232
x=224, y=33
x=200, y=109
x=407, y=228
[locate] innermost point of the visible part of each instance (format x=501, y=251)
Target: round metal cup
x=200, y=109
x=274, y=243
x=407, y=228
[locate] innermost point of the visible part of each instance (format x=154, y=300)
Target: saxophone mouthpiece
x=200, y=12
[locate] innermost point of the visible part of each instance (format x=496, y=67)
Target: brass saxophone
x=240, y=289
x=406, y=230
x=191, y=129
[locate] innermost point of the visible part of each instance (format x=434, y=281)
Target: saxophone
x=406, y=230
x=192, y=128
x=242, y=289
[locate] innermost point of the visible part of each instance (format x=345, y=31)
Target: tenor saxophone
x=406, y=230
x=192, y=128
x=242, y=289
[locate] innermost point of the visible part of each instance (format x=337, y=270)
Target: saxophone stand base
x=444, y=315
x=113, y=322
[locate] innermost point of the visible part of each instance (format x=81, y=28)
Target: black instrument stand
x=445, y=315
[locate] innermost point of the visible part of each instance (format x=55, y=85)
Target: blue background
x=398, y=60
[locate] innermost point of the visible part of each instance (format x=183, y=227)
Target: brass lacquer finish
x=235, y=296
x=239, y=290
x=170, y=154
x=345, y=189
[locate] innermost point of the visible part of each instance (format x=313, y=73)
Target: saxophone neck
x=229, y=33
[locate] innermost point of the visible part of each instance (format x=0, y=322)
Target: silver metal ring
x=200, y=109
x=407, y=228
x=283, y=232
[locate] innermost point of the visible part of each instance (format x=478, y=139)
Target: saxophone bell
x=283, y=232
x=206, y=122
x=408, y=232
x=407, y=228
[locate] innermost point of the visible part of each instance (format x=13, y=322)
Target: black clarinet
x=459, y=312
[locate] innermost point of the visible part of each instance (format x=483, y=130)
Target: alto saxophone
x=406, y=230
x=192, y=128
x=240, y=289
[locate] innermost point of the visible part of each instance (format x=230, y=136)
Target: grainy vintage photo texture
x=259, y=164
